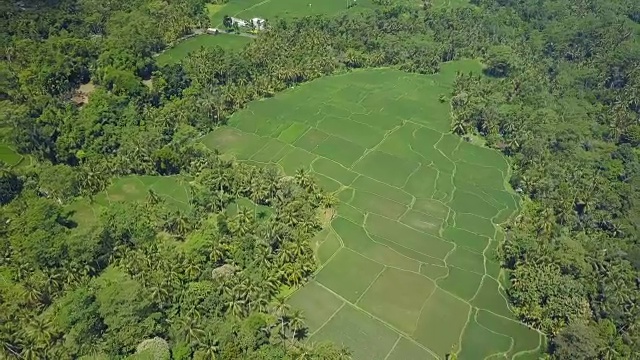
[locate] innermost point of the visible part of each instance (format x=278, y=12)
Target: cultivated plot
x=407, y=269
x=172, y=189
x=9, y=156
x=187, y=46
x=273, y=9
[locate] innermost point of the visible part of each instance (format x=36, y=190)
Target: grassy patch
x=406, y=349
x=172, y=189
x=261, y=211
x=382, y=189
x=273, y=9
x=524, y=338
x=407, y=237
x=317, y=304
x=334, y=170
x=386, y=168
x=397, y=297
x=375, y=204
x=9, y=156
x=410, y=192
x=355, y=238
x=349, y=274
x=328, y=247
x=187, y=46
x=442, y=320
x=461, y=283
x=365, y=336
x=478, y=342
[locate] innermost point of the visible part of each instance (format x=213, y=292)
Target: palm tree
x=53, y=281
x=329, y=200
x=153, y=198
x=159, y=294
x=191, y=269
x=280, y=308
x=459, y=126
x=296, y=323
x=261, y=302
x=182, y=225
x=210, y=347
x=547, y=222
x=40, y=330
x=191, y=329
x=304, y=352
x=30, y=352
x=244, y=220
x=343, y=354
x=217, y=254
x=236, y=306
x=10, y=339
x=32, y=294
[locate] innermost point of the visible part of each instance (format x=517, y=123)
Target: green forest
x=86, y=273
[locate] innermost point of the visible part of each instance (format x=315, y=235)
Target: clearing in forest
x=272, y=9
x=408, y=266
x=173, y=190
x=207, y=41
x=9, y=156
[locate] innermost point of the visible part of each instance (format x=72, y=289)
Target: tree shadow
x=301, y=334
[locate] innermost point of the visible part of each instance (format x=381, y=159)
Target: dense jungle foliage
x=560, y=98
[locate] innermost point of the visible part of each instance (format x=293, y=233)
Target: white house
x=258, y=23
x=240, y=22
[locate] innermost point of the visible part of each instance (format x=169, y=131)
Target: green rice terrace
x=271, y=9
x=408, y=266
x=182, y=49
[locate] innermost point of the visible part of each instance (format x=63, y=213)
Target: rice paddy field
x=182, y=49
x=173, y=190
x=272, y=9
x=408, y=266
x=9, y=156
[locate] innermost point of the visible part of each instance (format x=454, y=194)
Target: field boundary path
x=408, y=267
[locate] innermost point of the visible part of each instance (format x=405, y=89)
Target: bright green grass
x=260, y=211
x=182, y=49
x=351, y=213
x=434, y=272
x=406, y=349
x=407, y=237
x=273, y=9
x=172, y=189
x=466, y=260
x=489, y=298
x=357, y=239
x=367, y=337
x=525, y=340
x=349, y=274
x=442, y=320
x=478, y=342
x=212, y=10
x=384, y=190
x=422, y=222
x=397, y=297
x=328, y=248
x=320, y=309
x=9, y=156
x=416, y=202
x=376, y=204
x=462, y=283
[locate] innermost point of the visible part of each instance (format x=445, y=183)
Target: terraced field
x=407, y=268
x=185, y=47
x=272, y=9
